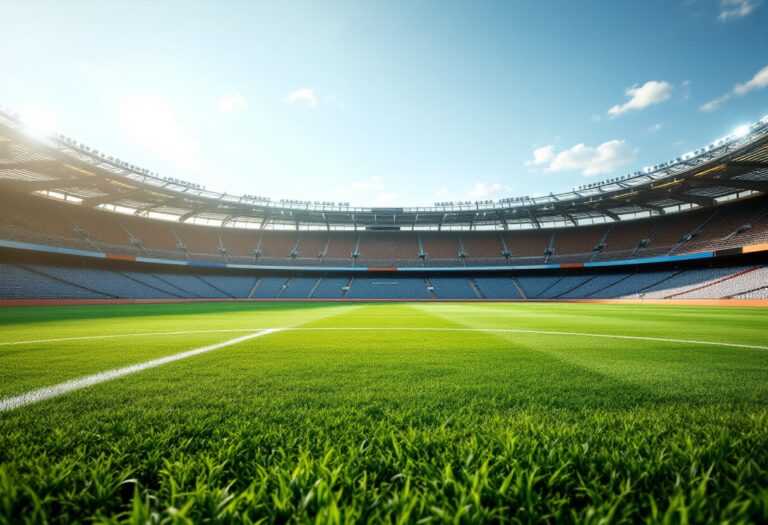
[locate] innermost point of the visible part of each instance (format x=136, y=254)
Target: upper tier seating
x=440, y=248
x=483, y=248
x=388, y=249
x=38, y=220
x=570, y=242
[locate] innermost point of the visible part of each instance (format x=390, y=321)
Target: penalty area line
x=41, y=394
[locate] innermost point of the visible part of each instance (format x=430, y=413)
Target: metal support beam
x=754, y=185
x=534, y=220
x=502, y=220
x=751, y=164
x=694, y=199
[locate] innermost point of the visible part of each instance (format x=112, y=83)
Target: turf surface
x=388, y=425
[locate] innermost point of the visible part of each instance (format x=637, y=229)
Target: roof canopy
x=733, y=167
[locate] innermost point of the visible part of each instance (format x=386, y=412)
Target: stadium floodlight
x=741, y=131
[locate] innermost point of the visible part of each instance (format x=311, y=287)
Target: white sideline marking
x=41, y=394
x=110, y=336
x=395, y=328
x=546, y=332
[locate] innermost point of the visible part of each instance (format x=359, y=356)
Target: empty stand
x=340, y=248
x=37, y=220
x=441, y=248
x=576, y=245
x=483, y=248
x=528, y=246
x=388, y=248
x=497, y=287
x=452, y=288
x=388, y=288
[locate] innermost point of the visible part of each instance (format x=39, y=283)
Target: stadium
x=176, y=354
x=79, y=225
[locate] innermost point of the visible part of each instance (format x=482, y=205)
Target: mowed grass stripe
x=497, y=331
x=399, y=328
x=41, y=394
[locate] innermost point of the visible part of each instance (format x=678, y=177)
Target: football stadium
x=596, y=353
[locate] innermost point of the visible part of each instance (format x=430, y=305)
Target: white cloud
x=712, y=105
x=652, y=92
x=152, y=124
x=757, y=82
x=595, y=118
x=605, y=158
x=655, y=127
x=231, y=102
x=542, y=155
x=306, y=95
x=735, y=8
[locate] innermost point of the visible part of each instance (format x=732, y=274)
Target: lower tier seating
x=55, y=281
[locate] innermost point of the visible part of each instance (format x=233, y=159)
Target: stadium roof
x=53, y=165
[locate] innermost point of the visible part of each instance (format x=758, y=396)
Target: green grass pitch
x=383, y=425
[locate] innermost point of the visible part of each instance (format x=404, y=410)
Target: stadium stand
x=483, y=248
x=632, y=284
x=51, y=223
x=452, y=288
x=269, y=287
x=299, y=287
x=152, y=237
x=386, y=287
x=751, y=280
x=685, y=280
x=312, y=246
x=276, y=245
x=536, y=285
x=564, y=285
x=497, y=288
x=329, y=288
x=577, y=243
x=60, y=281
x=441, y=249
x=528, y=247
x=340, y=248
x=17, y=282
x=388, y=249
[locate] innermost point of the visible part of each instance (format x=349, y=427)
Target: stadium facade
x=78, y=224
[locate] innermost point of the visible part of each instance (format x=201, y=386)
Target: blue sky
x=381, y=103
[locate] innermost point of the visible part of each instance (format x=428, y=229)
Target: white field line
x=41, y=394
x=111, y=336
x=547, y=332
x=395, y=328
